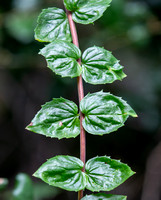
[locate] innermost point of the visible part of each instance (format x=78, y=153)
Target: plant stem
x=81, y=96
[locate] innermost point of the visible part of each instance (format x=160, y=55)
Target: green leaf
x=104, y=113
x=24, y=188
x=100, y=66
x=102, y=196
x=86, y=11
x=63, y=172
x=3, y=184
x=101, y=173
x=52, y=24
x=106, y=174
x=58, y=118
x=62, y=58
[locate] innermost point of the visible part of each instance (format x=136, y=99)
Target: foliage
x=101, y=173
x=104, y=113
x=85, y=12
x=57, y=118
x=23, y=188
x=100, y=66
x=52, y=24
x=102, y=196
x=62, y=58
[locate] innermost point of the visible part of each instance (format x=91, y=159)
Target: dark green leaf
x=100, y=66
x=102, y=196
x=24, y=188
x=62, y=58
x=52, y=24
x=106, y=174
x=58, y=118
x=3, y=183
x=64, y=172
x=104, y=112
x=87, y=11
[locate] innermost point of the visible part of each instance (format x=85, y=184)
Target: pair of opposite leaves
x=24, y=190
x=101, y=173
x=98, y=65
x=59, y=118
x=53, y=22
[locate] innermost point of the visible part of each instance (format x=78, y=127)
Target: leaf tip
x=28, y=126
x=124, y=75
x=133, y=172
x=134, y=114
x=35, y=175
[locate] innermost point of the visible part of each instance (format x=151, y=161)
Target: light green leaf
x=52, y=24
x=106, y=174
x=104, y=113
x=58, y=118
x=63, y=172
x=62, y=58
x=102, y=196
x=87, y=11
x=24, y=188
x=100, y=66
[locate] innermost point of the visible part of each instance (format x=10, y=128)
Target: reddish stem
x=81, y=96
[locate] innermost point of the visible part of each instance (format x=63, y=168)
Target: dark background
x=132, y=31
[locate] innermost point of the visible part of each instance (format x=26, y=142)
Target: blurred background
x=132, y=31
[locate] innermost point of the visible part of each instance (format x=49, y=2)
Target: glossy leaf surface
x=86, y=11
x=58, y=118
x=106, y=174
x=52, y=24
x=101, y=173
x=102, y=196
x=62, y=58
x=100, y=66
x=24, y=188
x=64, y=172
x=104, y=113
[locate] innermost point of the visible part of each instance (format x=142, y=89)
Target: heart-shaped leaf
x=64, y=172
x=62, y=58
x=100, y=66
x=102, y=196
x=58, y=118
x=104, y=113
x=105, y=174
x=86, y=11
x=52, y=24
